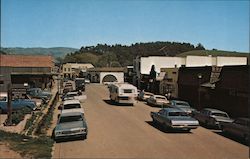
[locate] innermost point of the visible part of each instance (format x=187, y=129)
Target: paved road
x=127, y=132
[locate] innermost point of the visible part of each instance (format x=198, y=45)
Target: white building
x=145, y=63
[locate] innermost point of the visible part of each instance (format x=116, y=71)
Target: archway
x=109, y=78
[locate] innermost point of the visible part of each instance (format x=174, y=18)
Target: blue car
x=16, y=104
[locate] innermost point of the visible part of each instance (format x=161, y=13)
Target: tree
x=199, y=47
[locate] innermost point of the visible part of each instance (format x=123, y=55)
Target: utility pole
x=9, y=106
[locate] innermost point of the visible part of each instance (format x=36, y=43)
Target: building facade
x=34, y=70
x=72, y=70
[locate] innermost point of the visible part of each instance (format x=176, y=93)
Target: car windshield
x=72, y=106
x=183, y=104
x=220, y=114
x=66, y=119
x=162, y=98
x=128, y=90
x=177, y=114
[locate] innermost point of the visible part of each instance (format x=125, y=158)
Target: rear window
x=71, y=106
x=177, y=114
x=66, y=119
x=128, y=90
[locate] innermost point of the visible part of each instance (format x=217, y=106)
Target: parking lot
x=128, y=132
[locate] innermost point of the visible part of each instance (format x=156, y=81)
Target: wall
x=223, y=61
x=160, y=62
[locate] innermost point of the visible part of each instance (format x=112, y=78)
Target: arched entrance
x=109, y=78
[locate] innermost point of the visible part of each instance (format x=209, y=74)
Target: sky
x=223, y=25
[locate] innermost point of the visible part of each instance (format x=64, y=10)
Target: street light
x=199, y=93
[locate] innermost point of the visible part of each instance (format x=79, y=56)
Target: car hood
x=71, y=125
x=45, y=93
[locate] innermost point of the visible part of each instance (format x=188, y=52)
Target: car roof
x=149, y=93
x=72, y=101
x=70, y=113
x=159, y=96
x=173, y=110
x=125, y=86
x=72, y=93
x=72, y=110
x=3, y=94
x=214, y=110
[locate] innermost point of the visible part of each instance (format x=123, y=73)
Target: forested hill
x=54, y=51
x=122, y=55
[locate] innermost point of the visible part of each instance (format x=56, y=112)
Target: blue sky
x=223, y=25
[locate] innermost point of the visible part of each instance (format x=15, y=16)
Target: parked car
x=240, y=127
x=157, y=100
x=16, y=104
x=212, y=117
x=71, y=105
x=173, y=118
x=70, y=125
x=87, y=81
x=74, y=95
x=183, y=105
x=143, y=96
x=67, y=89
x=39, y=93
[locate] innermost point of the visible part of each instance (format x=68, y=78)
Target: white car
x=74, y=95
x=144, y=96
x=72, y=106
x=157, y=100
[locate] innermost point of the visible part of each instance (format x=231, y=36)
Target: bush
x=19, y=115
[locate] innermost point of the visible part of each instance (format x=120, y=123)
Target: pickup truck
x=16, y=103
x=173, y=118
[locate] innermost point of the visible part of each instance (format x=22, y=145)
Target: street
x=127, y=132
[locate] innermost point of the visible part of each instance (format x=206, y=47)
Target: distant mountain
x=213, y=53
x=54, y=51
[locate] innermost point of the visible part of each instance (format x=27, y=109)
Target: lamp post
x=199, y=93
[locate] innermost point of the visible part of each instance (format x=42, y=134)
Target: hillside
x=54, y=51
x=213, y=53
x=103, y=55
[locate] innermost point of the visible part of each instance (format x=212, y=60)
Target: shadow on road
x=109, y=102
x=231, y=137
x=159, y=127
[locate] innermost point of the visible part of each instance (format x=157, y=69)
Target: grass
x=28, y=147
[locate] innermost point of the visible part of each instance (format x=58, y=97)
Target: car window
x=65, y=119
x=128, y=90
x=219, y=114
x=161, y=111
x=177, y=114
x=71, y=106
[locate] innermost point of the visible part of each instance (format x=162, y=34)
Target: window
x=65, y=69
x=68, y=69
x=128, y=91
x=1, y=82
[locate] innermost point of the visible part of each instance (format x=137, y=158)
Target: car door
x=160, y=115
